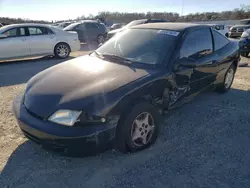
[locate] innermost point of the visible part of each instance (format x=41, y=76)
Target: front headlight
x=65, y=117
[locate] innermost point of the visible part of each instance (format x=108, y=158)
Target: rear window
x=219, y=40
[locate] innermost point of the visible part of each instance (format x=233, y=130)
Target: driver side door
x=197, y=47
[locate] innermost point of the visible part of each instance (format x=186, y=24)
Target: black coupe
x=113, y=96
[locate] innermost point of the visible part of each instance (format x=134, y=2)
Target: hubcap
x=142, y=129
x=62, y=50
x=229, y=78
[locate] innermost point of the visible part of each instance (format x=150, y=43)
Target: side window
x=197, y=44
x=82, y=26
x=39, y=31
x=15, y=32
x=76, y=27
x=46, y=31
x=35, y=31
x=219, y=40
x=11, y=33
x=91, y=26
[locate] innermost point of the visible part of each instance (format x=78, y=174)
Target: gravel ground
x=203, y=144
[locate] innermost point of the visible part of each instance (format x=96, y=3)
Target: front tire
x=62, y=50
x=228, y=80
x=137, y=128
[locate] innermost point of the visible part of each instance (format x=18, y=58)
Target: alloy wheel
x=62, y=50
x=142, y=129
x=229, y=78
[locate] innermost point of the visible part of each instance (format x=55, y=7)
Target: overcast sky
x=68, y=9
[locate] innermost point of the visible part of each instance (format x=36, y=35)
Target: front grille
x=240, y=30
x=50, y=143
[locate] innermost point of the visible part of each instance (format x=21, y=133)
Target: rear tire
x=228, y=80
x=137, y=128
x=62, y=50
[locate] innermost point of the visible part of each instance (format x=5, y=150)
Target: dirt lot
x=202, y=144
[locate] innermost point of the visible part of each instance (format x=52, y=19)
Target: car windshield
x=147, y=46
x=70, y=27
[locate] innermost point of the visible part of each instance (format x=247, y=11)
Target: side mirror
x=2, y=36
x=217, y=27
x=187, y=62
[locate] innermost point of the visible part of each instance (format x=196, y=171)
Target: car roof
x=89, y=21
x=22, y=25
x=171, y=26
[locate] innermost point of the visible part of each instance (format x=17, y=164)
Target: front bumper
x=83, y=140
x=244, y=45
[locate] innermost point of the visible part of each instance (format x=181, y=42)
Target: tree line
x=239, y=13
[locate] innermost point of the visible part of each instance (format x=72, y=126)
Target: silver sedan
x=27, y=40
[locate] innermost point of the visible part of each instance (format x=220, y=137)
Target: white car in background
x=27, y=40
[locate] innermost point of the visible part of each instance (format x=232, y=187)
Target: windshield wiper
x=116, y=57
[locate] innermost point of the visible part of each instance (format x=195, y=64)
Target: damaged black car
x=114, y=96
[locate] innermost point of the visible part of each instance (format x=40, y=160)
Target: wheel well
x=62, y=43
x=129, y=104
x=235, y=64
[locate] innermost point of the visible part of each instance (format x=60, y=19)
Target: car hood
x=75, y=84
x=116, y=30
